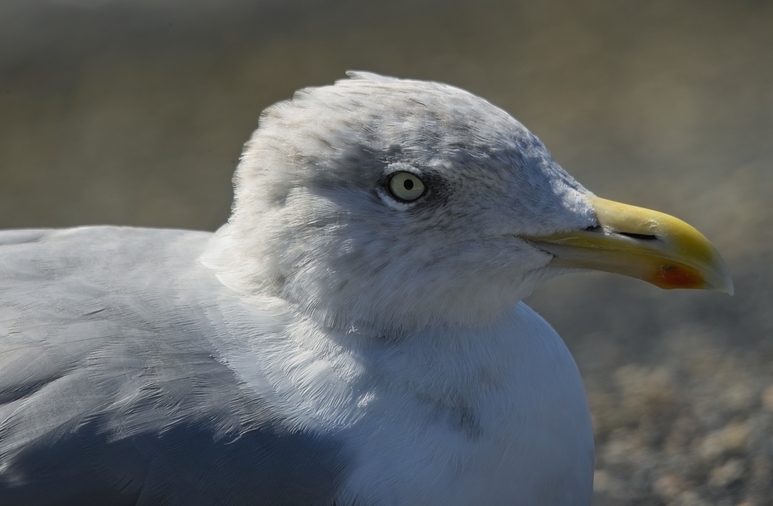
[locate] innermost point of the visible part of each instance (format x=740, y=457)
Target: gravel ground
x=682, y=411
x=134, y=111
x=694, y=429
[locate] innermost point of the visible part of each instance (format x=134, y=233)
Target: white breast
x=494, y=418
x=488, y=415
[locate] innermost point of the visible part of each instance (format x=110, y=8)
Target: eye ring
x=406, y=186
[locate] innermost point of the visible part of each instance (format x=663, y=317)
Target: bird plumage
x=130, y=375
x=112, y=389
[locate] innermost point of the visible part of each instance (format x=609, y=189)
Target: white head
x=316, y=219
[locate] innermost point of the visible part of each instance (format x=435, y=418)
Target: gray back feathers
x=111, y=391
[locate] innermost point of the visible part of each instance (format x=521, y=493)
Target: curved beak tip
x=725, y=282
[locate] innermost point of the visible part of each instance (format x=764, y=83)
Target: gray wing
x=112, y=393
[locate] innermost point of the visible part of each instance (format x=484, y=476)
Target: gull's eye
x=406, y=186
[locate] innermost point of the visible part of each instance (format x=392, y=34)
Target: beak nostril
x=640, y=237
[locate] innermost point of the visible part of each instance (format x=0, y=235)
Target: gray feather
x=111, y=389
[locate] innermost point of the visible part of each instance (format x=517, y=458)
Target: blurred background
x=133, y=112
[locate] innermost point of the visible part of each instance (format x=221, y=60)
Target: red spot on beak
x=677, y=276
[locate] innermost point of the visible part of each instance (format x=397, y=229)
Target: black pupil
x=408, y=184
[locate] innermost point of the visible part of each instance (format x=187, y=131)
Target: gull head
x=386, y=203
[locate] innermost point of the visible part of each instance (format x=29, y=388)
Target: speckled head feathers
x=314, y=222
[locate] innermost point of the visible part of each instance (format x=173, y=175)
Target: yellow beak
x=640, y=243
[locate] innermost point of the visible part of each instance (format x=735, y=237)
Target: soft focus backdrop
x=134, y=113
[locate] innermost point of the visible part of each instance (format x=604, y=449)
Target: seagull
x=354, y=335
